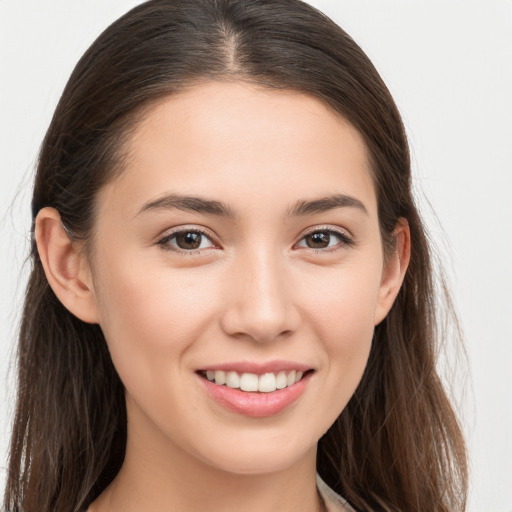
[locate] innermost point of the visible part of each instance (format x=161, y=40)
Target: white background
x=448, y=65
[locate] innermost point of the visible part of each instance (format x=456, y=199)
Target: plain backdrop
x=449, y=66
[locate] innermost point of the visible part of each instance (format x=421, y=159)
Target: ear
x=65, y=265
x=393, y=273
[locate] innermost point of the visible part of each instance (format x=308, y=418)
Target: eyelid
x=347, y=239
x=170, y=234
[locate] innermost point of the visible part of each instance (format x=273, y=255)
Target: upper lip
x=258, y=368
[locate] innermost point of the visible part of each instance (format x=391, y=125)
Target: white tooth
x=210, y=375
x=220, y=377
x=291, y=378
x=232, y=380
x=298, y=376
x=281, y=380
x=249, y=382
x=267, y=383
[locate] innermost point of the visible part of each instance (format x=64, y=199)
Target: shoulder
x=333, y=502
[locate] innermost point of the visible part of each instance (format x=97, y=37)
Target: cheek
x=149, y=318
x=342, y=305
x=343, y=319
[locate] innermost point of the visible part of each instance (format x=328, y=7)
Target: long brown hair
x=397, y=446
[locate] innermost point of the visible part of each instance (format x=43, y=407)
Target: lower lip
x=256, y=405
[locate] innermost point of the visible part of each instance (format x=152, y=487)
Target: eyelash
x=164, y=242
x=345, y=240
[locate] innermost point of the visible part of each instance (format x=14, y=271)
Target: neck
x=161, y=476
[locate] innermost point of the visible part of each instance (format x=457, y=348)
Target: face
x=240, y=243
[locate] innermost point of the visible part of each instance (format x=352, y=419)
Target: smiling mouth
x=251, y=382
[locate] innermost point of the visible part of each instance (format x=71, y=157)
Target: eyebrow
x=325, y=204
x=190, y=204
x=217, y=208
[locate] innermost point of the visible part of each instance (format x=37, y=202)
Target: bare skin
x=260, y=278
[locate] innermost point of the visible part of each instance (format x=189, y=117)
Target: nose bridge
x=261, y=305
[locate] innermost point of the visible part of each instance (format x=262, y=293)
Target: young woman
x=231, y=304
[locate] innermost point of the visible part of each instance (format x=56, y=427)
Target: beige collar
x=333, y=502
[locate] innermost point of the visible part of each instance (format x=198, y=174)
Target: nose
x=260, y=299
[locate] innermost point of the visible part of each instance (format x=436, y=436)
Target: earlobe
x=394, y=270
x=65, y=266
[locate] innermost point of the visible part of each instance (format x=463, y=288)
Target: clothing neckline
x=332, y=500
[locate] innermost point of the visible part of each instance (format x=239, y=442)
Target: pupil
x=188, y=240
x=318, y=240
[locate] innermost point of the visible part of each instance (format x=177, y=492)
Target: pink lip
x=258, y=368
x=256, y=405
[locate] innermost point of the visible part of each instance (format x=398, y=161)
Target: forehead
x=238, y=142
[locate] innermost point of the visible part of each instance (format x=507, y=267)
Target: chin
x=260, y=458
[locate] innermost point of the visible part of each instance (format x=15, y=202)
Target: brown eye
x=189, y=240
x=325, y=239
x=318, y=240
x=186, y=241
